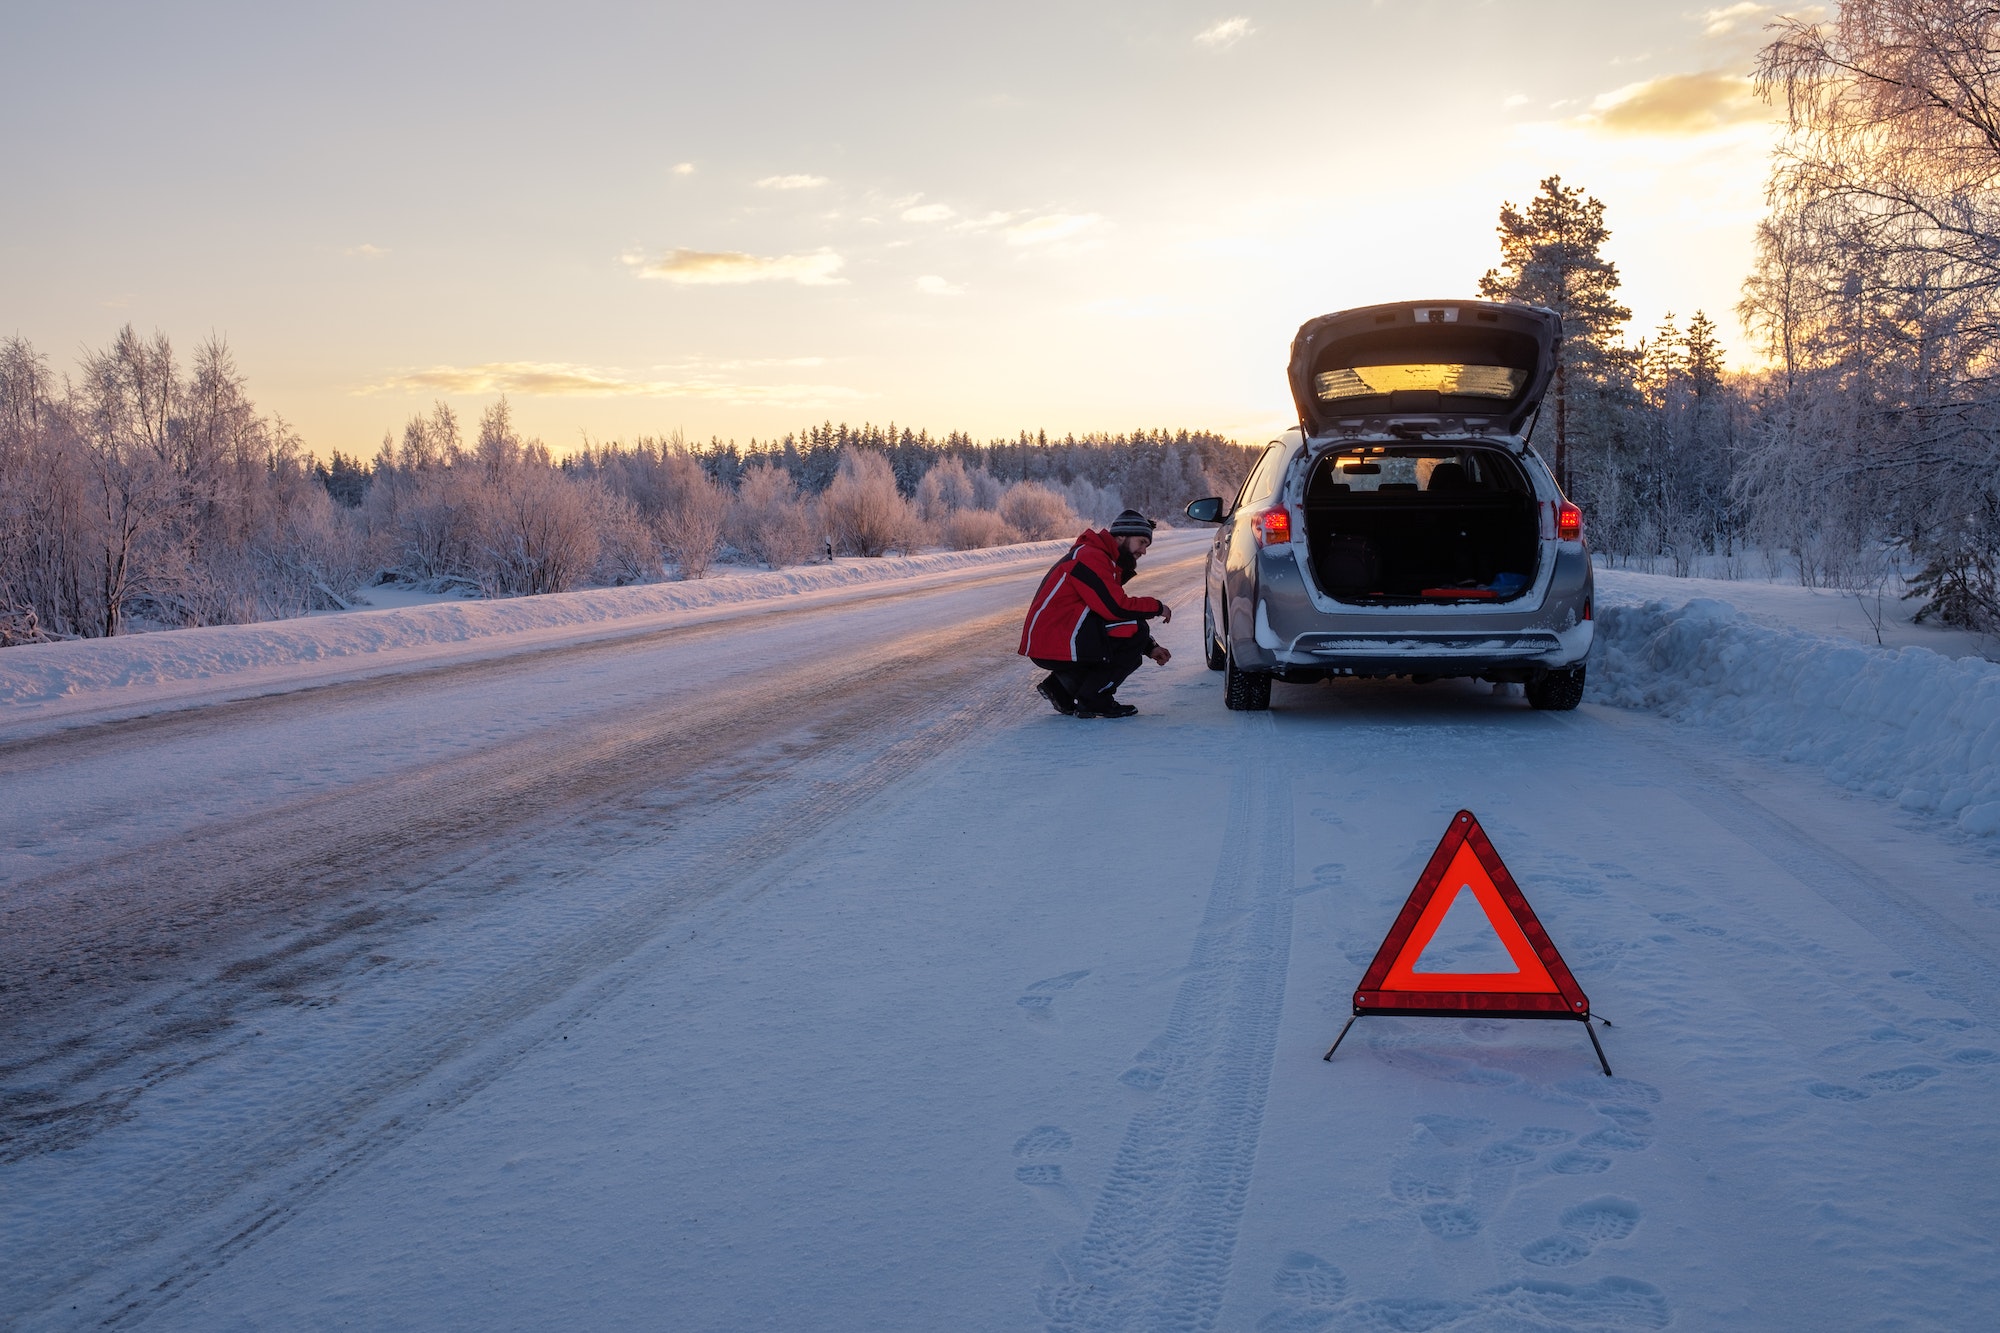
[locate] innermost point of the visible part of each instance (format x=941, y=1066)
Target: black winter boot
x=1059, y=698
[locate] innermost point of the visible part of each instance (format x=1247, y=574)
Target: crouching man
x=1084, y=630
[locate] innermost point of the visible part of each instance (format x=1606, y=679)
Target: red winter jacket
x=1081, y=607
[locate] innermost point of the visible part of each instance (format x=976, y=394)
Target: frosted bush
x=693, y=510
x=864, y=512
x=1037, y=512
x=973, y=529
x=770, y=521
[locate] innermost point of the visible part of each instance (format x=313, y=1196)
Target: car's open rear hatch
x=1459, y=367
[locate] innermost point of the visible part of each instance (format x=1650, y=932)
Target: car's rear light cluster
x=1569, y=522
x=1274, y=527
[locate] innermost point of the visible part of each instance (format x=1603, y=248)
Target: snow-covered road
x=803, y=971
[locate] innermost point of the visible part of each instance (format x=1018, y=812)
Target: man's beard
x=1128, y=565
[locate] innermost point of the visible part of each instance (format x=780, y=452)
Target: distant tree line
x=141, y=491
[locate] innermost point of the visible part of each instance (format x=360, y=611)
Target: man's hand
x=1166, y=614
x=1160, y=655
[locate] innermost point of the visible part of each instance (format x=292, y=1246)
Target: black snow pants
x=1093, y=684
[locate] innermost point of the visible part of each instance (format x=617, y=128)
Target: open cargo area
x=1421, y=523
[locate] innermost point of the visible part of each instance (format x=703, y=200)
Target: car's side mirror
x=1206, y=510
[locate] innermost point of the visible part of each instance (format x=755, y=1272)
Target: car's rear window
x=1458, y=379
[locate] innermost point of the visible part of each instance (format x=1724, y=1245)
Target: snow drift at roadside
x=38, y=673
x=1905, y=723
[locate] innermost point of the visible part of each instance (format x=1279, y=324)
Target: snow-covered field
x=788, y=965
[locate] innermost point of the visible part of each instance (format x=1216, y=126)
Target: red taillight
x=1274, y=527
x=1569, y=522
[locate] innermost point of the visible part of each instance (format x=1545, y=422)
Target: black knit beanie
x=1131, y=523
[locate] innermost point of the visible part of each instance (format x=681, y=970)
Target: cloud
x=1678, y=104
x=558, y=379
x=1721, y=22
x=797, y=182
x=683, y=168
x=929, y=213
x=1221, y=36
x=716, y=267
x=932, y=285
x=1513, y=100
x=365, y=251
x=984, y=222
x=1050, y=227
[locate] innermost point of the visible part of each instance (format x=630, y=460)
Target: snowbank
x=37, y=674
x=1905, y=723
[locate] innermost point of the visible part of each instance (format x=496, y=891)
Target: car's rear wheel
x=1557, y=691
x=1244, y=691
x=1217, y=659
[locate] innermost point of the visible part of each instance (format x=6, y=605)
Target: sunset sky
x=739, y=219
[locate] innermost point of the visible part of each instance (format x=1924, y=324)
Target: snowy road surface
x=800, y=970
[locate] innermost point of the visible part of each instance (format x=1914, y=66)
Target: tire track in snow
x=1156, y=1254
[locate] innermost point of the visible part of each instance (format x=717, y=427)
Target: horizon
x=1070, y=222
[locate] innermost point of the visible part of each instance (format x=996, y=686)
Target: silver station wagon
x=1405, y=528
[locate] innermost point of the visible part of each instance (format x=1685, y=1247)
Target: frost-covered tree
x=1877, y=293
x=1551, y=255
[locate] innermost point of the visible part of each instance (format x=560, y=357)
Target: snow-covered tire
x=1217, y=659
x=1244, y=691
x=1557, y=691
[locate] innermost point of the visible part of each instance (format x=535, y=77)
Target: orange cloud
x=1678, y=104
x=712, y=267
x=556, y=379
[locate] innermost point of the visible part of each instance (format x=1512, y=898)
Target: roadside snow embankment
x=143, y=665
x=1905, y=723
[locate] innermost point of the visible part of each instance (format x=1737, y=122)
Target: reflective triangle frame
x=1541, y=987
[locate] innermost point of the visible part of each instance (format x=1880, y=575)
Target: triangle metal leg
x=1594, y=1044
x=1337, y=1040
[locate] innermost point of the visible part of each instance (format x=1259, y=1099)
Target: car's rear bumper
x=1449, y=653
x=1290, y=633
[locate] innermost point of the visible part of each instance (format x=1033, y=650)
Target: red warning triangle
x=1539, y=983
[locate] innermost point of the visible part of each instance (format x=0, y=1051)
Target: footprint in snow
x=1900, y=1080
x=1544, y=1136
x=1044, y=1178
x=1612, y=1091
x=1601, y=1220
x=1310, y=1288
x=1579, y=1164
x=1609, y=1302
x=1556, y=1251
x=1452, y=1131
x=1448, y=1221
x=1615, y=1139
x=1307, y=1279
x=1693, y=925
x=1506, y=1154
x=1040, y=1000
